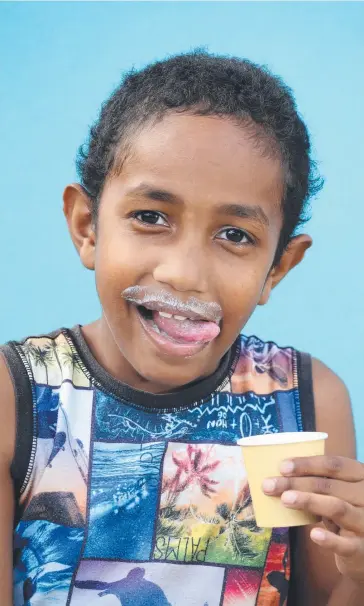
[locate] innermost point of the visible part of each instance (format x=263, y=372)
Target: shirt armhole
x=24, y=421
x=307, y=404
x=305, y=386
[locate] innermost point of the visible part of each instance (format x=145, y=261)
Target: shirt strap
x=24, y=420
x=305, y=386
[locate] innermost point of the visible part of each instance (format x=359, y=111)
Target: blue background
x=60, y=60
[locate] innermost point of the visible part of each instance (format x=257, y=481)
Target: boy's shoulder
x=332, y=404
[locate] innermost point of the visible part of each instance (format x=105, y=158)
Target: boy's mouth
x=177, y=328
x=175, y=334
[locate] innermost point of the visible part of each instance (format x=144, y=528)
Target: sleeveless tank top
x=135, y=499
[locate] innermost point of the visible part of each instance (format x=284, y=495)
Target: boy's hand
x=332, y=488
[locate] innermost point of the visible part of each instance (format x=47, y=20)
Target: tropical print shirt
x=134, y=499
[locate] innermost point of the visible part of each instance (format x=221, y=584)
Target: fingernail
x=287, y=467
x=289, y=497
x=318, y=535
x=269, y=485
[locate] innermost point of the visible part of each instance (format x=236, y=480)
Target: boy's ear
x=291, y=257
x=77, y=210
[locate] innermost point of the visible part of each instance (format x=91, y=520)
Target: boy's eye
x=151, y=217
x=235, y=235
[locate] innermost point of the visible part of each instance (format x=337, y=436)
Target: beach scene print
x=123, y=500
x=205, y=510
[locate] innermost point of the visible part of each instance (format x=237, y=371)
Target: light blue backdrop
x=60, y=60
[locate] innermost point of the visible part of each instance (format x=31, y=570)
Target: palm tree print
x=52, y=347
x=205, y=499
x=193, y=468
x=70, y=358
x=40, y=356
x=28, y=349
x=238, y=524
x=239, y=540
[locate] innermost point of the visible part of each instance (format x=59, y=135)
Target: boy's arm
x=317, y=581
x=7, y=442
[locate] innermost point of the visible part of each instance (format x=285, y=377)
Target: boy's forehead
x=206, y=157
x=207, y=140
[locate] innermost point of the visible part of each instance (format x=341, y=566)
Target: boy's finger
x=340, y=468
x=343, y=546
x=351, y=492
x=342, y=513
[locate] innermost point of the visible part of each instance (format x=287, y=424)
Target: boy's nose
x=184, y=271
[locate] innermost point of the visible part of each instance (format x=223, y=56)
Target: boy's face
x=189, y=227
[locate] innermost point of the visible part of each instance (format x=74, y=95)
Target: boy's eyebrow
x=242, y=211
x=153, y=193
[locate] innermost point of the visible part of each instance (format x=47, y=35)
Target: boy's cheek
x=240, y=303
x=119, y=262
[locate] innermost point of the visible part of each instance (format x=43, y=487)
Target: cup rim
x=274, y=439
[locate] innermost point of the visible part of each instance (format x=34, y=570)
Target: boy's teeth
x=164, y=314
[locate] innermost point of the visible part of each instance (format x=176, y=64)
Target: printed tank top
x=134, y=499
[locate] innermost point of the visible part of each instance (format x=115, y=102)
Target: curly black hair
x=204, y=84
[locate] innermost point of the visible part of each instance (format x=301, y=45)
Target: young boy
x=119, y=466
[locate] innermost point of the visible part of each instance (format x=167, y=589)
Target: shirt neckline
x=178, y=399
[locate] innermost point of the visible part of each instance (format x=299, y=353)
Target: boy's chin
x=164, y=376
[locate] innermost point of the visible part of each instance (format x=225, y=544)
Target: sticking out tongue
x=189, y=331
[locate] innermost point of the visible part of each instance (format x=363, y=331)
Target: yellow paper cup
x=263, y=456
